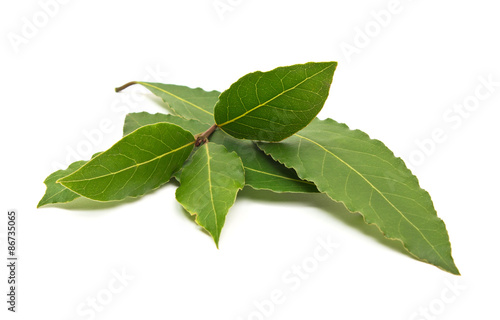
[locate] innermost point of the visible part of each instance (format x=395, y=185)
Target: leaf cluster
x=261, y=132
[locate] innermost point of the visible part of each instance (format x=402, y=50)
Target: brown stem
x=203, y=137
x=126, y=85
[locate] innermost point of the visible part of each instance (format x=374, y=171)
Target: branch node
x=203, y=137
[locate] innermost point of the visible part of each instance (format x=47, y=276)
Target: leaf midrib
x=379, y=192
x=275, y=97
x=278, y=176
x=210, y=188
x=62, y=181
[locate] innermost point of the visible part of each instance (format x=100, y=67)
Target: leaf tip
x=215, y=235
x=454, y=270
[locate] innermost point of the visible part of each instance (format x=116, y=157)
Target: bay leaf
x=209, y=183
x=365, y=175
x=273, y=105
x=140, y=162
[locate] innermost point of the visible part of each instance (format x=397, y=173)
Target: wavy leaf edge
x=401, y=162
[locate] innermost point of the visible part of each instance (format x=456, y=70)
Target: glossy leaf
x=209, y=184
x=366, y=176
x=140, y=162
x=273, y=105
x=261, y=171
x=189, y=103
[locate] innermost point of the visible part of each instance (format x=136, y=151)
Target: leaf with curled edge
x=273, y=105
x=366, y=176
x=140, y=162
x=209, y=183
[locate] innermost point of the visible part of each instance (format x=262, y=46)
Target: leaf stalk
x=126, y=85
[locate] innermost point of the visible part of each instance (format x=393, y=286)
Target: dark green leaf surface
x=141, y=161
x=189, y=103
x=261, y=171
x=366, y=176
x=273, y=105
x=209, y=184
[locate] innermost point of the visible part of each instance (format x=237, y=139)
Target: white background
x=399, y=83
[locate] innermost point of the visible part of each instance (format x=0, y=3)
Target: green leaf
x=189, y=103
x=273, y=105
x=209, y=184
x=261, y=171
x=134, y=121
x=57, y=193
x=141, y=161
x=366, y=176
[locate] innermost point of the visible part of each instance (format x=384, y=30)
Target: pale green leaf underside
x=209, y=184
x=189, y=103
x=261, y=171
x=140, y=162
x=273, y=105
x=366, y=176
x=134, y=121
